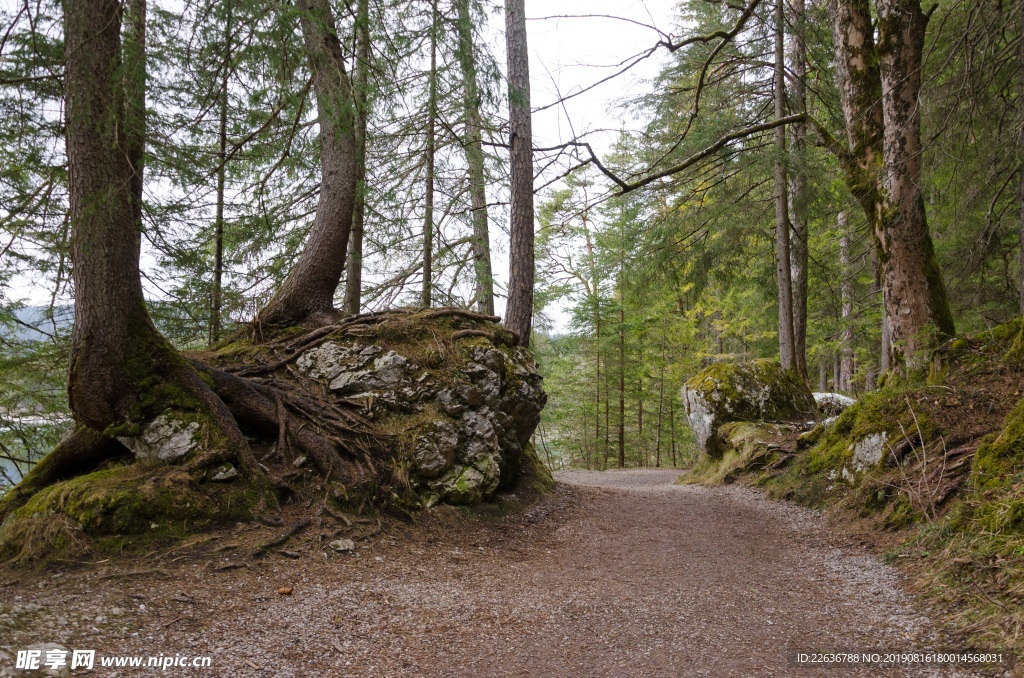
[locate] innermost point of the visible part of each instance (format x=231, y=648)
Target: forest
x=264, y=254
x=654, y=260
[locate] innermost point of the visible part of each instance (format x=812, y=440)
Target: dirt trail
x=619, y=574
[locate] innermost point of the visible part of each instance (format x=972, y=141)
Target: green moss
x=534, y=472
x=999, y=462
x=139, y=499
x=750, y=391
x=1014, y=357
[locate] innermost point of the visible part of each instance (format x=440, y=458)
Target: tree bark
x=428, y=217
x=134, y=52
x=311, y=284
x=475, y=162
x=846, y=299
x=915, y=295
x=361, y=98
x=122, y=371
x=112, y=327
x=622, y=385
x=222, y=156
x=798, y=190
x=860, y=92
x=787, y=354
x=1020, y=56
x=519, y=312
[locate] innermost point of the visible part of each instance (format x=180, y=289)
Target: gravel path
x=619, y=574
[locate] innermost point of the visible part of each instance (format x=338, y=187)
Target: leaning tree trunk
x=915, y=296
x=860, y=92
x=519, y=312
x=313, y=280
x=787, y=354
x=798, y=251
x=475, y=162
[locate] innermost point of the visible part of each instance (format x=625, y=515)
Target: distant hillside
x=33, y=323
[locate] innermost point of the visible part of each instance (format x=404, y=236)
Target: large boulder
x=462, y=420
x=757, y=390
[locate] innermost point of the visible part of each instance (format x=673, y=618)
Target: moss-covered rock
x=462, y=419
x=98, y=510
x=748, y=391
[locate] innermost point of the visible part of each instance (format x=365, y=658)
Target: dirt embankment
x=618, y=573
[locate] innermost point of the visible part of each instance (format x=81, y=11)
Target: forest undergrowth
x=946, y=503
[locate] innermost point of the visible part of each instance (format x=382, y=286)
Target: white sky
x=570, y=54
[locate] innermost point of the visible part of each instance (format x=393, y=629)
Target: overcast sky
x=570, y=54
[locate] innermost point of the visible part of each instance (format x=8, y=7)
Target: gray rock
x=832, y=404
x=342, y=546
x=224, y=474
x=165, y=438
x=435, y=449
x=353, y=382
x=758, y=390
x=392, y=368
x=325, y=361
x=869, y=450
x=450, y=403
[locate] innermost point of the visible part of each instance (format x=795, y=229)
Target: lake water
x=14, y=470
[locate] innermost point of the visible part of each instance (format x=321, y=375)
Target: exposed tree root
x=280, y=539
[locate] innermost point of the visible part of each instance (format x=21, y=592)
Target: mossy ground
x=125, y=506
x=947, y=501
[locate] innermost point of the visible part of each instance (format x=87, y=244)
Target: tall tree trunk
x=122, y=371
x=310, y=286
x=883, y=168
x=672, y=428
x=787, y=355
x=860, y=93
x=519, y=312
x=915, y=295
x=361, y=98
x=642, y=452
x=1020, y=151
x=134, y=55
x=622, y=384
x=822, y=375
x=846, y=299
x=661, y=405
x=475, y=162
x=109, y=307
x=222, y=158
x=607, y=416
x=798, y=190
x=428, y=217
